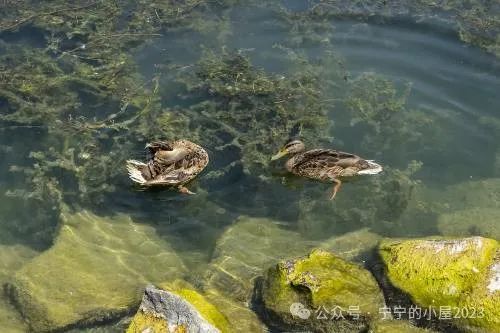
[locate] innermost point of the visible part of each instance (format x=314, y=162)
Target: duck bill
x=279, y=155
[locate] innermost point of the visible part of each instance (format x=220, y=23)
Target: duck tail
x=134, y=171
x=373, y=168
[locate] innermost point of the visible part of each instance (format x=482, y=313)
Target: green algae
x=322, y=280
x=147, y=322
x=167, y=311
x=471, y=222
x=207, y=310
x=241, y=318
x=447, y=272
x=94, y=271
x=79, y=148
x=254, y=109
x=219, y=310
x=12, y=257
x=477, y=22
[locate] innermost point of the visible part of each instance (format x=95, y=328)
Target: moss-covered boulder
x=219, y=310
x=245, y=250
x=178, y=310
x=95, y=271
x=460, y=274
x=322, y=293
x=12, y=257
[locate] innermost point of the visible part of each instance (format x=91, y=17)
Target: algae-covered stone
x=95, y=270
x=184, y=310
x=245, y=250
x=352, y=245
x=476, y=200
x=12, y=257
x=240, y=317
x=219, y=310
x=462, y=274
x=471, y=222
x=345, y=296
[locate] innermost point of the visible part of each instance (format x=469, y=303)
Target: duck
x=327, y=165
x=169, y=163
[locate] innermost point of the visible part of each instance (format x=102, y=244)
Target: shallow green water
x=449, y=93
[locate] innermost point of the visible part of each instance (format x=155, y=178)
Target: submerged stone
x=458, y=274
x=240, y=317
x=352, y=245
x=462, y=209
x=471, y=222
x=12, y=257
x=219, y=310
x=245, y=250
x=95, y=271
x=183, y=310
x=322, y=293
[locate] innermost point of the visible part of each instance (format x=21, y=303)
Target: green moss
x=94, y=271
x=240, y=317
x=207, y=310
x=447, y=272
x=333, y=281
x=144, y=322
x=12, y=257
x=322, y=281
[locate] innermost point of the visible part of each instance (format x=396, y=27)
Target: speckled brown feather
x=325, y=164
x=180, y=172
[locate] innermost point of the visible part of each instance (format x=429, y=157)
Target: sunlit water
x=455, y=84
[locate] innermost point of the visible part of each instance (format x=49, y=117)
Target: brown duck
x=325, y=164
x=172, y=164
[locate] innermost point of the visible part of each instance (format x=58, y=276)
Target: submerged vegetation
x=72, y=85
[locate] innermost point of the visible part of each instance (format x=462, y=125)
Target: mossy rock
x=179, y=311
x=461, y=273
x=471, y=222
x=206, y=309
x=240, y=317
x=245, y=250
x=474, y=198
x=95, y=271
x=12, y=257
x=352, y=245
x=219, y=310
x=322, y=282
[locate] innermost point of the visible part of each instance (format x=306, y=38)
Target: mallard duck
x=325, y=164
x=169, y=163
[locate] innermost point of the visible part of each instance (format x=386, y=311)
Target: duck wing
x=323, y=163
x=181, y=171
